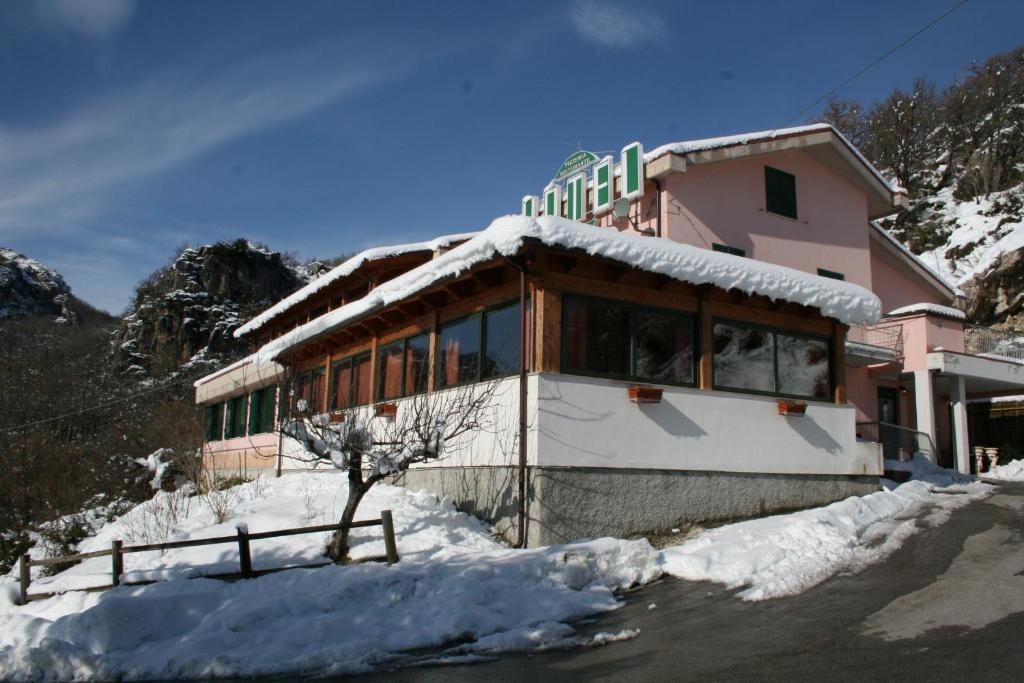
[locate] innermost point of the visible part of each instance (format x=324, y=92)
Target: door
x=889, y=414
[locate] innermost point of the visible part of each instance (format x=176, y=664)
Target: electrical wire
x=863, y=70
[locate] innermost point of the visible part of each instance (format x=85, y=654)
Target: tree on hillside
x=848, y=117
x=902, y=134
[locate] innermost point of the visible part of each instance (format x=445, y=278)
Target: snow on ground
x=454, y=582
x=1011, y=471
x=787, y=554
x=455, y=585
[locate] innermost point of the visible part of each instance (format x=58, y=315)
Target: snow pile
x=788, y=554
x=937, y=309
x=454, y=582
x=1011, y=471
x=343, y=270
x=847, y=302
x=923, y=469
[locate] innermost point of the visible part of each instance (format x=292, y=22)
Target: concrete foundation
x=570, y=503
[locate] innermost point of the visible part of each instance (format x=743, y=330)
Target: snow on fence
x=118, y=549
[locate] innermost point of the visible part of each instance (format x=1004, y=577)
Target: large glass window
x=460, y=352
x=482, y=346
x=350, y=382
x=621, y=340
x=758, y=359
x=404, y=366
x=309, y=389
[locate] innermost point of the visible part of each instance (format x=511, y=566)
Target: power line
x=101, y=406
x=861, y=72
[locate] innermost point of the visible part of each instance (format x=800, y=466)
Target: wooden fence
x=242, y=538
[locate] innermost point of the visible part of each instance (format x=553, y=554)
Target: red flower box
x=386, y=409
x=645, y=394
x=337, y=416
x=792, y=408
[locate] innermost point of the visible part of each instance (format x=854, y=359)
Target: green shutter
x=633, y=170
x=267, y=411
x=602, y=186
x=255, y=404
x=779, y=192
x=831, y=273
x=528, y=207
x=726, y=249
x=214, y=428
x=553, y=201
x=229, y=421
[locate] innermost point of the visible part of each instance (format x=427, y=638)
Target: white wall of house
x=588, y=422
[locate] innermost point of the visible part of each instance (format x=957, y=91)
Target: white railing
x=883, y=336
x=980, y=341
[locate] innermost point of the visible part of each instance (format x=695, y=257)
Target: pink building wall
x=725, y=203
x=925, y=333
x=896, y=284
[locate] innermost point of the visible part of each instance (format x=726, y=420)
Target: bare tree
x=370, y=447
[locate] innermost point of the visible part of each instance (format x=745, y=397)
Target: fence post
x=244, y=558
x=389, y=536
x=117, y=562
x=24, y=577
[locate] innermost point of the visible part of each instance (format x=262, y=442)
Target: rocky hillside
x=183, y=315
x=960, y=155
x=27, y=287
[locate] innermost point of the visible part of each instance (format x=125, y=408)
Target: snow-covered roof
x=345, y=269
x=935, y=309
x=707, y=144
x=844, y=301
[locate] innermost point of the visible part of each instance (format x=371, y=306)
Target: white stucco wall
x=585, y=422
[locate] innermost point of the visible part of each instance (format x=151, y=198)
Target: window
x=779, y=192
x=758, y=359
x=234, y=423
x=309, y=388
x=214, y=422
x=261, y=410
x=831, y=273
x=726, y=249
x=350, y=382
x=480, y=347
x=403, y=367
x=616, y=339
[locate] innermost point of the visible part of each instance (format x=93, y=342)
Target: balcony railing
x=990, y=341
x=883, y=336
x=898, y=443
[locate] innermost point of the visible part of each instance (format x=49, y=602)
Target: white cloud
x=88, y=18
x=614, y=25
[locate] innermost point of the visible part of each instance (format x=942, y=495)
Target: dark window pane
x=269, y=405
x=663, y=347
x=316, y=398
x=341, y=385
x=363, y=391
x=803, y=366
x=744, y=358
x=501, y=335
x=596, y=336
x=255, y=404
x=390, y=360
x=214, y=422
x=460, y=352
x=417, y=364
x=780, y=192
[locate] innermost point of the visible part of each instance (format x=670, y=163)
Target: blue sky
x=128, y=128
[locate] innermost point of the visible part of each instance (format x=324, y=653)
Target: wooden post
x=839, y=362
x=24, y=576
x=244, y=558
x=389, y=536
x=117, y=563
x=706, y=343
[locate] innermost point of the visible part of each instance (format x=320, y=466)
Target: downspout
x=523, y=321
x=657, y=225
x=283, y=402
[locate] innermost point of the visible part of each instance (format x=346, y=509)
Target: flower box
x=386, y=409
x=645, y=394
x=792, y=408
x=337, y=417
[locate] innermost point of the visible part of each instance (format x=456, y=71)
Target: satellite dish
x=620, y=209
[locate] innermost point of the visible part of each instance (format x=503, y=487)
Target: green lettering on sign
x=577, y=162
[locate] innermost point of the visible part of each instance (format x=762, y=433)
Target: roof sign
x=576, y=163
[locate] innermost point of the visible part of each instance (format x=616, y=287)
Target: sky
x=128, y=129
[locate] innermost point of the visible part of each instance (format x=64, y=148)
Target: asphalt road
x=947, y=606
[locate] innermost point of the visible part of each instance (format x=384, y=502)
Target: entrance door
x=889, y=414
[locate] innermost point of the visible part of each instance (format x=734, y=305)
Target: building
x=782, y=340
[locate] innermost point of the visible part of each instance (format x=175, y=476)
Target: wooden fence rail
x=242, y=538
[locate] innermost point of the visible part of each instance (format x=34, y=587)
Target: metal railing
x=884, y=336
x=898, y=443
x=987, y=340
